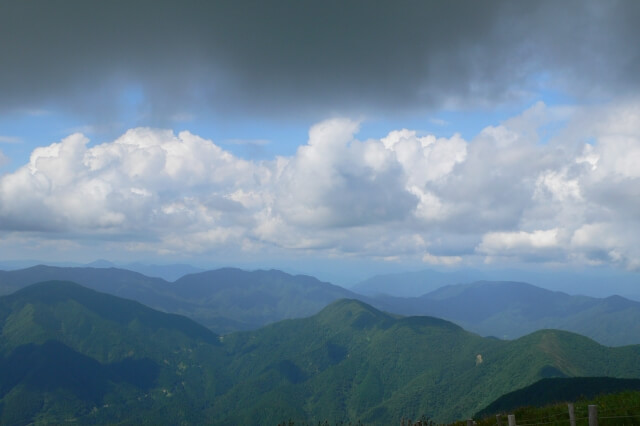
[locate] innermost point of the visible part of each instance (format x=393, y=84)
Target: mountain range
x=414, y=283
x=224, y=300
x=509, y=310
x=228, y=299
x=595, y=282
x=73, y=354
x=169, y=272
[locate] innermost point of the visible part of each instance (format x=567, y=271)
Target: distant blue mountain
x=596, y=282
x=413, y=284
x=167, y=272
x=509, y=310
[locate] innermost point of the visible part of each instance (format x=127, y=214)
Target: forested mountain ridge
x=349, y=362
x=224, y=300
x=72, y=354
x=228, y=299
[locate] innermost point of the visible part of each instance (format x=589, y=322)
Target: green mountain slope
x=53, y=382
x=72, y=353
x=353, y=362
x=510, y=310
x=118, y=282
x=555, y=390
x=613, y=409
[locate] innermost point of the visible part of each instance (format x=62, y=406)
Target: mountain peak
x=487, y=287
x=113, y=308
x=101, y=263
x=353, y=313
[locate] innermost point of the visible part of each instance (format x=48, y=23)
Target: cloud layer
x=506, y=195
x=272, y=58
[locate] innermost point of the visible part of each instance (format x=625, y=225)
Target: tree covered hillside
x=350, y=362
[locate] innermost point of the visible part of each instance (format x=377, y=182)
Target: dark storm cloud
x=321, y=57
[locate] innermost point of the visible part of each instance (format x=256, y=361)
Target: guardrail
x=592, y=418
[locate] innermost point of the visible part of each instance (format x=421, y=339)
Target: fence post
x=498, y=420
x=572, y=415
x=593, y=415
x=512, y=420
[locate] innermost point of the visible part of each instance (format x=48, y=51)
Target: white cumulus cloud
x=441, y=260
x=511, y=193
x=518, y=242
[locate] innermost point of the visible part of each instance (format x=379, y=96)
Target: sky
x=330, y=137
